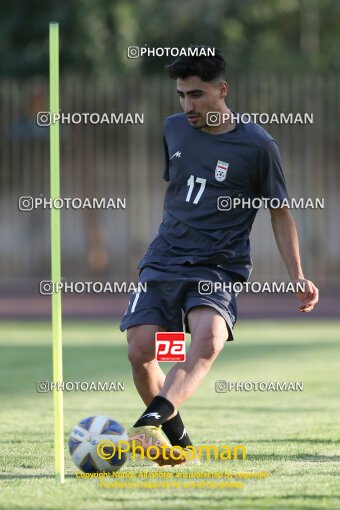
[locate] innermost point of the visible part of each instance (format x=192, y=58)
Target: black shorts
x=173, y=292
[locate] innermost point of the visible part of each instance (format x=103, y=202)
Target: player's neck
x=227, y=123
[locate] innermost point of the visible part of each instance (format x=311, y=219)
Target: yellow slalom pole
x=55, y=254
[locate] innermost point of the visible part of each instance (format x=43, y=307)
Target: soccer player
x=198, y=241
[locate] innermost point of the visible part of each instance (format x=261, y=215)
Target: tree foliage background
x=279, y=36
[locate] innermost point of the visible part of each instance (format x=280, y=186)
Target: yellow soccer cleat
x=151, y=442
x=191, y=457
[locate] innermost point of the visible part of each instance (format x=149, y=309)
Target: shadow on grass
x=256, y=501
x=22, y=367
x=4, y=476
x=296, y=440
x=92, y=362
x=304, y=457
x=273, y=409
x=19, y=477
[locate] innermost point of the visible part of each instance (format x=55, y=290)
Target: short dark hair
x=208, y=68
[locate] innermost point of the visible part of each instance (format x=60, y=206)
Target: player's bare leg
x=149, y=379
x=208, y=335
x=147, y=374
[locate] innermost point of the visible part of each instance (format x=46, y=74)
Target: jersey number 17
x=191, y=183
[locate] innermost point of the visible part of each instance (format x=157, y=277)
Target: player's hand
x=309, y=297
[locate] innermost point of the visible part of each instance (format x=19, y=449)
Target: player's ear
x=223, y=86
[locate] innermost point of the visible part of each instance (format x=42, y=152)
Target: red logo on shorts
x=170, y=346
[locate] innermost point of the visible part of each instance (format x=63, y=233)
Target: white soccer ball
x=86, y=436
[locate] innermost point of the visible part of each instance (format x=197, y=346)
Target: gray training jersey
x=198, y=226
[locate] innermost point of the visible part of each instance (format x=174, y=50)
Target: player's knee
x=210, y=345
x=139, y=356
x=140, y=351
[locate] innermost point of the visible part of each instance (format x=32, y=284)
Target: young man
x=197, y=241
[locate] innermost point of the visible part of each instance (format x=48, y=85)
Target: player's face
x=199, y=97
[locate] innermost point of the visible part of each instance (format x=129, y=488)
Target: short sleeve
x=271, y=179
x=166, y=174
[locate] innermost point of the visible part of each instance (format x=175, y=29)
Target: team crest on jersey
x=221, y=171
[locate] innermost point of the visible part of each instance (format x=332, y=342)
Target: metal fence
x=126, y=161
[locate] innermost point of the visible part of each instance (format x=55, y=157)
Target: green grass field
x=292, y=435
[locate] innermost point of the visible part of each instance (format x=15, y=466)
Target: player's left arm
x=288, y=244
